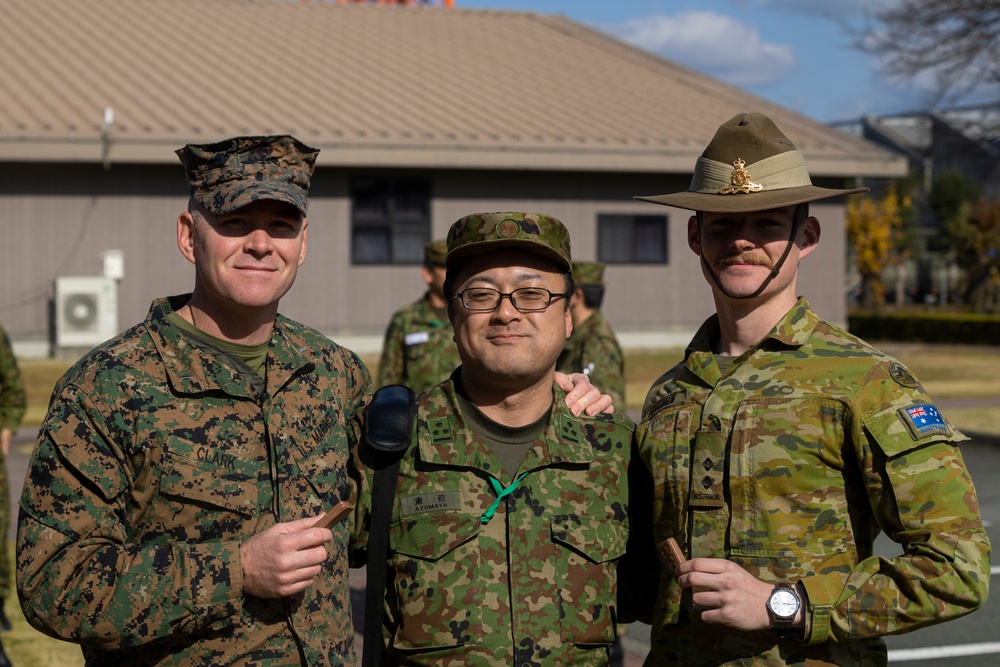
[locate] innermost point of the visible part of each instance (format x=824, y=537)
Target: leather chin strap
x=771, y=276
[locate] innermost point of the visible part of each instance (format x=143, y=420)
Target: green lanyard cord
x=501, y=492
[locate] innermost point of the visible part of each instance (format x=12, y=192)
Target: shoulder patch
x=923, y=420
x=902, y=376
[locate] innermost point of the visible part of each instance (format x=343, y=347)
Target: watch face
x=783, y=603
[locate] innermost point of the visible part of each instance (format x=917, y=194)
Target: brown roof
x=385, y=85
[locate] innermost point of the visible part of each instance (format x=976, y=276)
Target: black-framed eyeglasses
x=525, y=299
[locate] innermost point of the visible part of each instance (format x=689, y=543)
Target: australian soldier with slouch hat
x=510, y=512
x=169, y=508
x=782, y=445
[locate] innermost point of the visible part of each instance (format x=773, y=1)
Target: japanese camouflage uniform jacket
x=790, y=466
x=593, y=349
x=13, y=401
x=156, y=460
x=419, y=350
x=532, y=584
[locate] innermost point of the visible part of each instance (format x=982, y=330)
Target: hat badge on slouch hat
x=748, y=143
x=740, y=180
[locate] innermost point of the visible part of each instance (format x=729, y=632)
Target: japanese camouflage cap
x=435, y=253
x=227, y=175
x=749, y=165
x=588, y=273
x=482, y=233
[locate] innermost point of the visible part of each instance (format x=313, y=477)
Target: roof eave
x=451, y=156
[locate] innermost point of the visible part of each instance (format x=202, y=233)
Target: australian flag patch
x=924, y=419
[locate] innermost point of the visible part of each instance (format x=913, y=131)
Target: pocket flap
x=598, y=541
x=430, y=537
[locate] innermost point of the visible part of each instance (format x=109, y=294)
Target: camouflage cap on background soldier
x=435, y=253
x=588, y=273
x=536, y=233
x=227, y=175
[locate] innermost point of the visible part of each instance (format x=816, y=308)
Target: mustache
x=744, y=258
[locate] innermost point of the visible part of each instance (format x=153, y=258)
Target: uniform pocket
x=438, y=584
x=787, y=479
x=587, y=593
x=206, y=485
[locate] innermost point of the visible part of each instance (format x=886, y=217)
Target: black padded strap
x=389, y=420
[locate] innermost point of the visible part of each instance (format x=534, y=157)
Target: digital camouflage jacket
x=790, y=466
x=156, y=460
x=419, y=350
x=532, y=584
x=593, y=349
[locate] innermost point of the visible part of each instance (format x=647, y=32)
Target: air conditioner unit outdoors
x=86, y=311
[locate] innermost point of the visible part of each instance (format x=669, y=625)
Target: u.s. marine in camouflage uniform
x=510, y=512
x=593, y=348
x=781, y=446
x=419, y=349
x=167, y=515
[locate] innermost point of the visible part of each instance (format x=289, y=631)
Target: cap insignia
x=508, y=229
x=739, y=181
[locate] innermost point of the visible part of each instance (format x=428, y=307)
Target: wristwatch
x=783, y=603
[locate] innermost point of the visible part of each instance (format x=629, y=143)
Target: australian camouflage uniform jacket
x=532, y=584
x=157, y=458
x=593, y=349
x=419, y=350
x=790, y=465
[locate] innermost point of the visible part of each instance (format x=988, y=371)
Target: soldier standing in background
x=168, y=513
x=13, y=403
x=593, y=348
x=510, y=513
x=782, y=445
x=419, y=350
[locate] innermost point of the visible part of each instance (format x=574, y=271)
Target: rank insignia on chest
x=922, y=420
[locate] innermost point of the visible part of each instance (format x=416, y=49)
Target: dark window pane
x=649, y=239
x=370, y=245
x=632, y=239
x=390, y=220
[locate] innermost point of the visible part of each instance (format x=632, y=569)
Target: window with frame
x=390, y=220
x=632, y=239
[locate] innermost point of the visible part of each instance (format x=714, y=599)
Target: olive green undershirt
x=509, y=444
x=253, y=357
x=724, y=362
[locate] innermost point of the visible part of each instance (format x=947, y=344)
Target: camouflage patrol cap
x=227, y=175
x=435, y=253
x=481, y=233
x=749, y=165
x=588, y=273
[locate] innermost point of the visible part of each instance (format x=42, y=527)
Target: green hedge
x=967, y=328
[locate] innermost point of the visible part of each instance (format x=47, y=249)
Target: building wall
x=58, y=219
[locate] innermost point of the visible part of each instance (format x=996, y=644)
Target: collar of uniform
x=444, y=437
x=191, y=370
x=698, y=357
x=796, y=326
x=288, y=354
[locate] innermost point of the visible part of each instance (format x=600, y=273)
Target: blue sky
x=797, y=53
